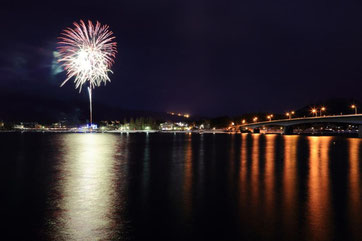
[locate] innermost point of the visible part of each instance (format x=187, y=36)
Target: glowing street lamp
x=270, y=117
x=243, y=121
x=314, y=111
x=355, y=108
x=322, y=109
x=255, y=119
x=289, y=114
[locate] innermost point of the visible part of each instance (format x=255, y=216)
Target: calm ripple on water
x=180, y=187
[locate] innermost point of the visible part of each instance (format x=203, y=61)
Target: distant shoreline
x=73, y=131
x=112, y=131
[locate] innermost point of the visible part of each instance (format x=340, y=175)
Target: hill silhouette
x=45, y=109
x=334, y=106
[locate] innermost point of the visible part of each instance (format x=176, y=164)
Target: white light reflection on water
x=87, y=185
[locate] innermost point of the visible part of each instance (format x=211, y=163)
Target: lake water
x=180, y=187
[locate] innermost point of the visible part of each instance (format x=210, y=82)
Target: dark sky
x=203, y=57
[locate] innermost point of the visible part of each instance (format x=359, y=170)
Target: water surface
x=180, y=187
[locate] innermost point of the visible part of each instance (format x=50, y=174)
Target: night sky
x=202, y=57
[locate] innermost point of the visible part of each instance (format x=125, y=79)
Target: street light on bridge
x=355, y=108
x=255, y=119
x=322, y=109
x=314, y=111
x=289, y=114
x=270, y=117
x=243, y=121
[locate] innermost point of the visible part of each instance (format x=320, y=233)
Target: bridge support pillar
x=287, y=130
x=360, y=131
x=256, y=130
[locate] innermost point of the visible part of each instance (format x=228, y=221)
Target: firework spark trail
x=87, y=53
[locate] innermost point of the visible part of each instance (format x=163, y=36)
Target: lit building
x=166, y=126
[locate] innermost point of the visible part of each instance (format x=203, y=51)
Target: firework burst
x=87, y=53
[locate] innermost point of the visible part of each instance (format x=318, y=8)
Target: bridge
x=287, y=124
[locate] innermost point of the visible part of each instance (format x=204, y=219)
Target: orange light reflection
x=318, y=188
x=290, y=183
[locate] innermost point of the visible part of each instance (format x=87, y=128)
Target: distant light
x=89, y=126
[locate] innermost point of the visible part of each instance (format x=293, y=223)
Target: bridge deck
x=347, y=119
